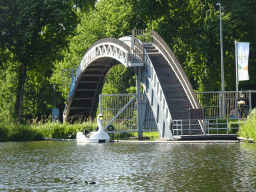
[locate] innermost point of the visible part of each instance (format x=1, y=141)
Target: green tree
x=120, y=80
x=110, y=18
x=191, y=28
x=34, y=31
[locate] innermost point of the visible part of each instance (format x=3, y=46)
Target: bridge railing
x=112, y=40
x=211, y=126
x=144, y=35
x=137, y=53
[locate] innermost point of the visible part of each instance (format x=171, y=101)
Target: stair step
x=147, y=44
x=151, y=50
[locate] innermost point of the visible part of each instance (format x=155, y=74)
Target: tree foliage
x=110, y=18
x=39, y=38
x=33, y=32
x=120, y=80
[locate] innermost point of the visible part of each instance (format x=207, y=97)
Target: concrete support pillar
x=139, y=104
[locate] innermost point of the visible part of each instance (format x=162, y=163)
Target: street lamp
x=222, y=106
x=54, y=85
x=221, y=50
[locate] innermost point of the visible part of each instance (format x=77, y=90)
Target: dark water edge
x=43, y=166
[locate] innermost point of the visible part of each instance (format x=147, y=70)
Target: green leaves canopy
x=33, y=32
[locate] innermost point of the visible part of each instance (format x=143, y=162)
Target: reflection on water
x=43, y=166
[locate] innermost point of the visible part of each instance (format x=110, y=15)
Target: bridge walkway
x=176, y=98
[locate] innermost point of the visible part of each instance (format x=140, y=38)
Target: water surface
x=43, y=166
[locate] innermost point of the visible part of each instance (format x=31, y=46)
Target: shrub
x=248, y=129
x=3, y=133
x=20, y=132
x=63, y=131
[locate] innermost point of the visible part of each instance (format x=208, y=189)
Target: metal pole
x=54, y=84
x=139, y=107
x=236, y=79
x=222, y=65
x=250, y=100
x=236, y=67
x=221, y=49
x=220, y=105
x=54, y=98
x=100, y=98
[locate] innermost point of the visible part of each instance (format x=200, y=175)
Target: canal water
x=45, y=166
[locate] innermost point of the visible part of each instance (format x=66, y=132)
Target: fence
x=210, y=126
x=218, y=104
x=212, y=103
x=112, y=104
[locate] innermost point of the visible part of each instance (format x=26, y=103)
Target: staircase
x=174, y=93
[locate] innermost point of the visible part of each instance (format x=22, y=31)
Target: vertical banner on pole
x=55, y=114
x=242, y=60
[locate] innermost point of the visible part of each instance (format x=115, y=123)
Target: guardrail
x=111, y=104
x=211, y=126
x=212, y=103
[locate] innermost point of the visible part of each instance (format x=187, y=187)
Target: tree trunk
x=20, y=88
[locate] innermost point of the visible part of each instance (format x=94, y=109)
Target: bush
x=4, y=132
x=19, y=132
x=65, y=130
x=248, y=129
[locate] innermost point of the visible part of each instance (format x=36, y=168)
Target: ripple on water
x=127, y=166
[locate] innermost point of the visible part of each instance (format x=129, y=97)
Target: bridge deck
x=176, y=98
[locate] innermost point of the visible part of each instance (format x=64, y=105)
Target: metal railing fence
x=220, y=104
x=111, y=104
x=211, y=126
x=144, y=35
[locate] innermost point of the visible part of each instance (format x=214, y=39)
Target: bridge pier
x=139, y=103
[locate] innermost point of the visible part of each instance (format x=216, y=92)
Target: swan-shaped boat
x=99, y=136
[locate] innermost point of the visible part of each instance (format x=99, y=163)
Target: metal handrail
x=208, y=124
x=112, y=40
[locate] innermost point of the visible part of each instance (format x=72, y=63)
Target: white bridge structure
x=165, y=85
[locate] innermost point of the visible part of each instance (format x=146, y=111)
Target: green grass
x=18, y=132
x=152, y=135
x=248, y=129
x=46, y=129
x=65, y=130
x=132, y=135
x=38, y=130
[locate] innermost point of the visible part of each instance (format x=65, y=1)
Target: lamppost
x=222, y=111
x=54, y=85
x=221, y=50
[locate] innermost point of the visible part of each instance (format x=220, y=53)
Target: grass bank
x=18, y=132
x=40, y=130
x=248, y=129
x=151, y=136
x=37, y=130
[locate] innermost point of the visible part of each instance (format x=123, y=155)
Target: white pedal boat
x=99, y=136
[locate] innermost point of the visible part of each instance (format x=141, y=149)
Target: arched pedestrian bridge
x=165, y=84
